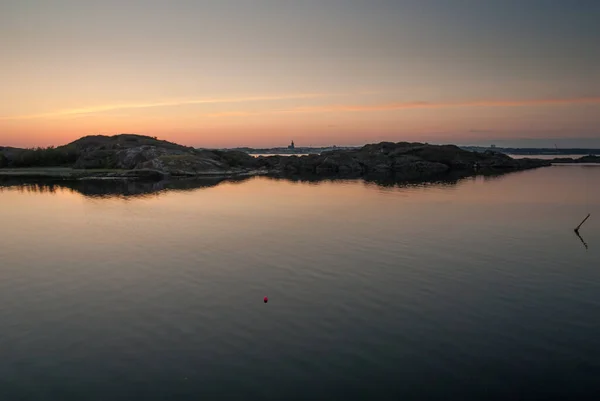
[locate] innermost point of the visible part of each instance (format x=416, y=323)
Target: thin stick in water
x=580, y=224
x=581, y=239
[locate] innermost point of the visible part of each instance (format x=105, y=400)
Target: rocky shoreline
x=115, y=175
x=580, y=160
x=410, y=160
x=135, y=157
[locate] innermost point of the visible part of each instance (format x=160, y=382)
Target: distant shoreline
x=480, y=149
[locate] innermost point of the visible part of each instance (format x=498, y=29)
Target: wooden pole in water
x=580, y=224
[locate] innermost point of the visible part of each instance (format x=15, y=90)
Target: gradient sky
x=228, y=73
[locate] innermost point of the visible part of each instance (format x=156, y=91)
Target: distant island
x=291, y=149
x=534, y=151
x=295, y=150
x=137, y=157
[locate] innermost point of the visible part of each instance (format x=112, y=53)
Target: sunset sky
x=256, y=73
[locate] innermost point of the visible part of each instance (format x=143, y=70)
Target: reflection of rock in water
x=393, y=180
x=128, y=188
x=581, y=239
x=116, y=188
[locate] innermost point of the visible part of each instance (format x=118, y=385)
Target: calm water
x=476, y=289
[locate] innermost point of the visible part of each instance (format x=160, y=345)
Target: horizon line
x=471, y=144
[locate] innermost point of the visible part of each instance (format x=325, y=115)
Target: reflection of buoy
x=266, y=299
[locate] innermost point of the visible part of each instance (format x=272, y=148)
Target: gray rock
x=155, y=159
x=185, y=164
x=411, y=160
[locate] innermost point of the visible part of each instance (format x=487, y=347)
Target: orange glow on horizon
x=228, y=74
x=263, y=122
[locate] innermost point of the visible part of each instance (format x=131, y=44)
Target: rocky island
x=146, y=158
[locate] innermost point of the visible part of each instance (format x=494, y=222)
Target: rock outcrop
x=409, y=160
x=146, y=157
x=132, y=152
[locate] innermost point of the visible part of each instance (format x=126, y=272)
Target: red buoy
x=266, y=299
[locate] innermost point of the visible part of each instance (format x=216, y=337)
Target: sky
x=261, y=73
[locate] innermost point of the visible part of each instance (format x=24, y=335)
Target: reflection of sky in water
x=161, y=295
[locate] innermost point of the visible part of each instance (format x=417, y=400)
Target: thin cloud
x=432, y=105
x=170, y=103
x=410, y=105
x=232, y=114
x=309, y=109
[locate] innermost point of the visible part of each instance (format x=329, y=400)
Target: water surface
x=469, y=289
